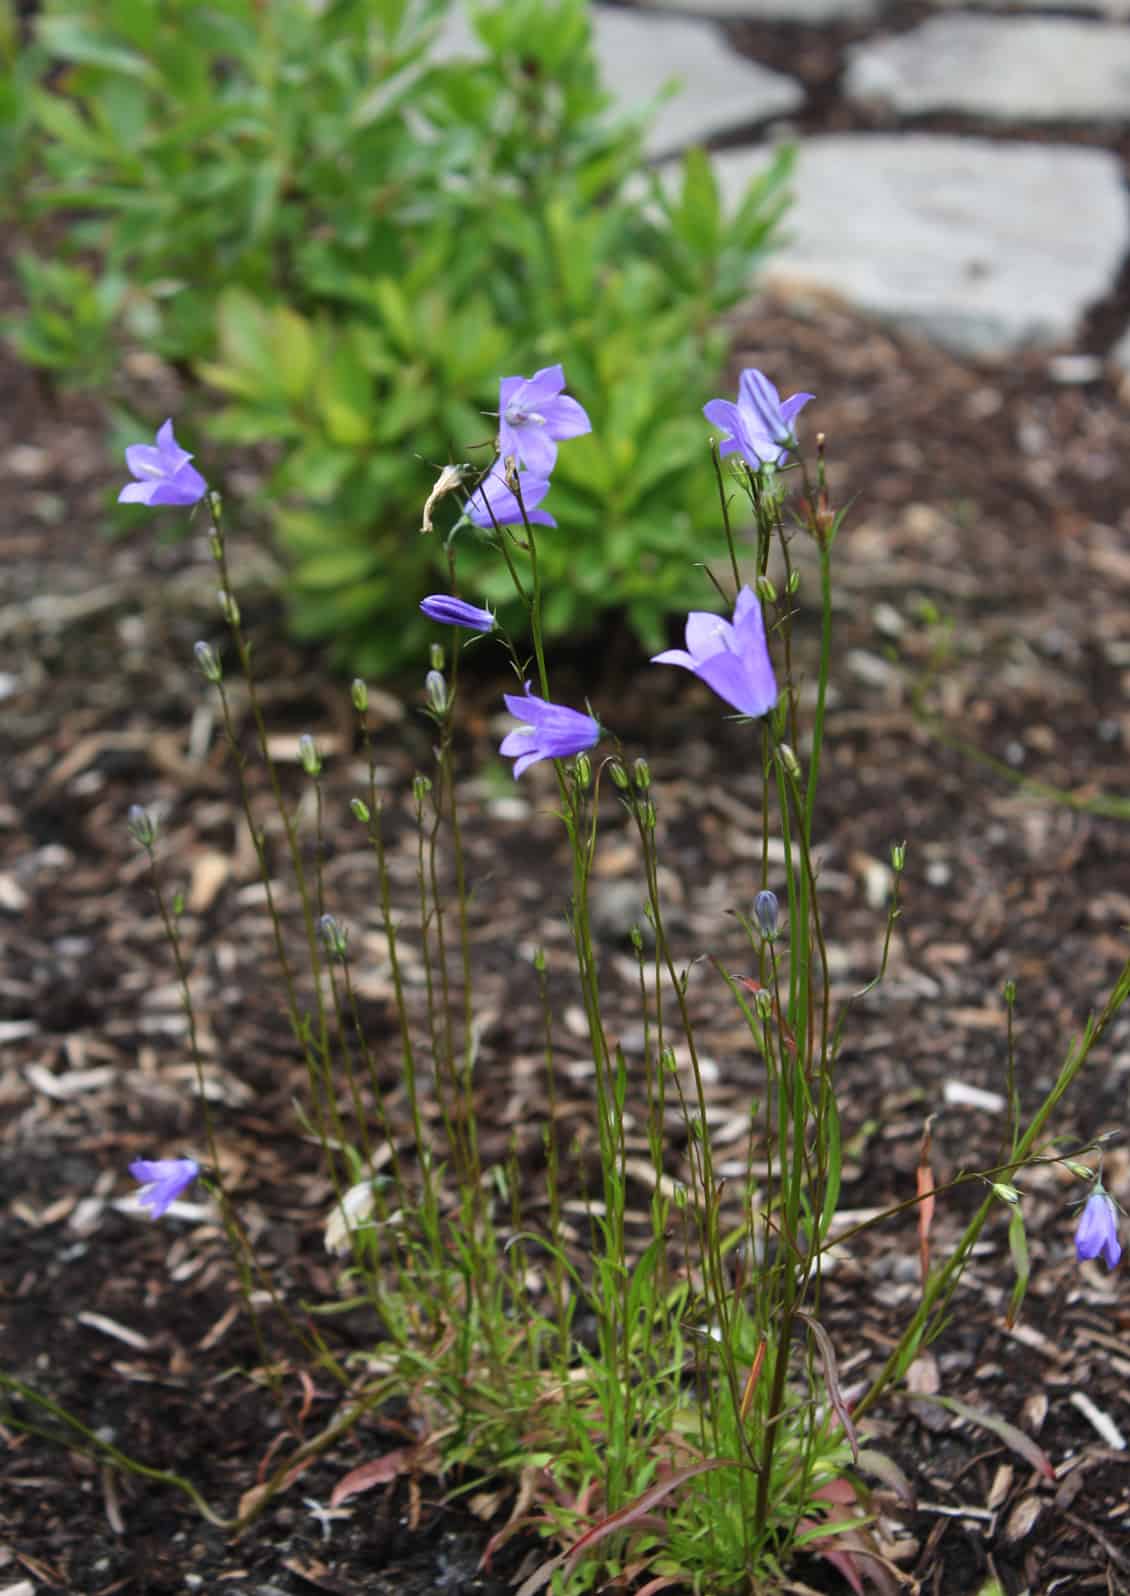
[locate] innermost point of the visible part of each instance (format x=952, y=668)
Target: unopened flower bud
x=635, y=937
x=308, y=756
x=435, y=656
x=794, y=581
x=359, y=693
x=539, y=960
x=229, y=609
x=647, y=815
x=421, y=787
x=582, y=771
x=334, y=936
x=207, y=663
x=765, y=590
x=763, y=1003
x=435, y=685
x=1010, y=993
x=790, y=761
x=668, y=1063
x=359, y=809
x=898, y=856
x=641, y=771
x=766, y=911
x=141, y=826
x=1007, y=1194
x=620, y=777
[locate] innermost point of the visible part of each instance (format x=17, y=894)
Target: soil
x=989, y=508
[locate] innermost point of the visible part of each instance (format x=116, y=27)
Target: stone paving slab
x=640, y=54
x=963, y=240
x=800, y=12
x=1021, y=68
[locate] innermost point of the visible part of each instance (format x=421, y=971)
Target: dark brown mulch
x=992, y=496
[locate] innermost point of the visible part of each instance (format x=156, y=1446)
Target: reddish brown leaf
x=378, y=1471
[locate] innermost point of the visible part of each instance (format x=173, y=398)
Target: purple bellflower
x=162, y=1181
x=760, y=425
x=163, y=473
x=454, y=612
x=549, y=731
x=494, y=504
x=1096, y=1234
x=534, y=416
x=732, y=658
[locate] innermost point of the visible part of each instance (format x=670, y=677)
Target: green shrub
x=351, y=243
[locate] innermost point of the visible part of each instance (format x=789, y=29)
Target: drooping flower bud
x=766, y=910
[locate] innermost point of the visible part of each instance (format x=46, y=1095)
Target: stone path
x=978, y=193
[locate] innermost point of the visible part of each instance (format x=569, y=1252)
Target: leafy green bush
x=351, y=243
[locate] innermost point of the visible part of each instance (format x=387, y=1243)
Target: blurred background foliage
x=345, y=242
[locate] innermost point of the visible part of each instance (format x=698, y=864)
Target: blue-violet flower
x=550, y=731
x=162, y=1181
x=1096, y=1234
x=731, y=658
x=454, y=612
x=534, y=416
x=493, y=503
x=163, y=473
x=760, y=425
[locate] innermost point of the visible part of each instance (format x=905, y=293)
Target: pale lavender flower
x=494, y=504
x=760, y=425
x=731, y=658
x=549, y=731
x=163, y=473
x=162, y=1181
x=1096, y=1234
x=534, y=416
x=454, y=612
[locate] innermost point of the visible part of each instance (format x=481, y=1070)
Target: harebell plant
x=665, y=1406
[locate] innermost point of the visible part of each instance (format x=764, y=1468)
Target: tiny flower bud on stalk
x=308, y=755
x=207, y=663
x=141, y=826
x=435, y=685
x=359, y=809
x=359, y=693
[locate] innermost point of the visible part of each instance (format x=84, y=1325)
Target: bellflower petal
x=549, y=731
x=732, y=658
x=1096, y=1234
x=454, y=612
x=760, y=425
x=534, y=416
x=493, y=504
x=163, y=473
x=162, y=1181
